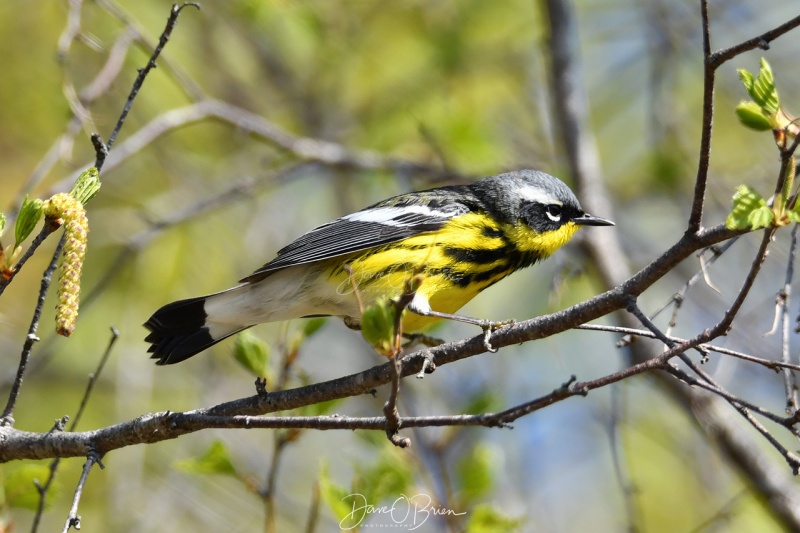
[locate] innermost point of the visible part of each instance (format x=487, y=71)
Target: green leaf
x=794, y=213
x=751, y=116
x=486, y=519
x=86, y=186
x=335, y=496
x=216, y=460
x=389, y=475
x=763, y=217
x=378, y=325
x=374, y=439
x=747, y=79
x=762, y=88
x=474, y=472
x=313, y=325
x=750, y=210
x=322, y=408
x=2, y=223
x=29, y=215
x=484, y=402
x=252, y=353
x=20, y=488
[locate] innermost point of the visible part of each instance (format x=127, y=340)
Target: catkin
x=72, y=215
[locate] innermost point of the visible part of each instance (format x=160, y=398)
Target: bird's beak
x=589, y=220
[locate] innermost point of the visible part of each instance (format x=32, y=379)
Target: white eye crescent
x=553, y=212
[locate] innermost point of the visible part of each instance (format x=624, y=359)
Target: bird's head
x=542, y=210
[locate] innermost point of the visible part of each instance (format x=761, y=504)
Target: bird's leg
x=422, y=308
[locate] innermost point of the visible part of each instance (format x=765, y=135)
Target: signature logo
x=405, y=511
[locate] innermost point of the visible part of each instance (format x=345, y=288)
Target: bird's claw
x=489, y=327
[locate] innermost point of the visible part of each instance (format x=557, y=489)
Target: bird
x=457, y=239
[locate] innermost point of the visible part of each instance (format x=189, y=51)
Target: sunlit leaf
x=387, y=476
x=794, y=214
x=750, y=210
x=19, y=485
x=378, y=325
x=761, y=88
x=216, y=460
x=313, y=325
x=86, y=186
x=751, y=116
x=321, y=408
x=483, y=402
x=486, y=519
x=252, y=353
x=474, y=473
x=335, y=496
x=30, y=213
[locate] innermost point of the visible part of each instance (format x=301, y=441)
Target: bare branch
x=704, y=158
x=7, y=418
x=172, y=20
x=74, y=520
x=784, y=296
x=762, y=41
x=49, y=227
x=773, y=365
x=43, y=489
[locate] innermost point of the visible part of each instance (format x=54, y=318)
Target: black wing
x=388, y=221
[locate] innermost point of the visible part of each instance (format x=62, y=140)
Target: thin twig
x=19, y=445
x=93, y=378
x=762, y=41
x=680, y=295
x=110, y=70
x=43, y=489
x=773, y=365
x=709, y=75
x=784, y=295
x=172, y=20
x=280, y=441
x=393, y=421
x=71, y=30
x=162, y=426
x=304, y=148
x=744, y=409
x=49, y=227
x=8, y=413
x=707, y=382
x=73, y=519
x=63, y=144
x=185, y=83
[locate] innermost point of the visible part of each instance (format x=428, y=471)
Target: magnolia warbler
x=460, y=239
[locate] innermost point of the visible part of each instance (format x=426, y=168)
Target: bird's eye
x=553, y=212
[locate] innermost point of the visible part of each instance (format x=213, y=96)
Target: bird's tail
x=182, y=329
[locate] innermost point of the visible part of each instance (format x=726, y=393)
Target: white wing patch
x=389, y=215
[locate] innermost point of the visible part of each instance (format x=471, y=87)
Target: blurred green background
x=453, y=85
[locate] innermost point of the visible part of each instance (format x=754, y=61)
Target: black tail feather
x=178, y=331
